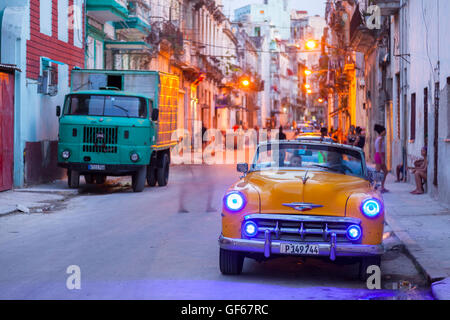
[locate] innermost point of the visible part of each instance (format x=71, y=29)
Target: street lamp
x=311, y=44
x=307, y=86
x=308, y=72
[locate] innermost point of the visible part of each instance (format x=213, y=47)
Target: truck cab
x=110, y=131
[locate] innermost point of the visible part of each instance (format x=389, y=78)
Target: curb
x=441, y=289
x=440, y=283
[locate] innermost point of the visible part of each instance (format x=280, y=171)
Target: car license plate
x=295, y=248
x=100, y=167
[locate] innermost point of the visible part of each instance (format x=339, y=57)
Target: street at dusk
x=218, y=151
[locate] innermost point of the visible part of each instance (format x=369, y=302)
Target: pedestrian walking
x=380, y=154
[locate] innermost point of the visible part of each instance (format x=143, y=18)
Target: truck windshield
x=104, y=105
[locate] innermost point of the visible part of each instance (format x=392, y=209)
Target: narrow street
x=162, y=244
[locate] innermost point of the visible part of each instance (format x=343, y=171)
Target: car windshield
x=300, y=156
x=104, y=105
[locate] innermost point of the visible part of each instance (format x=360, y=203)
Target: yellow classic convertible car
x=303, y=198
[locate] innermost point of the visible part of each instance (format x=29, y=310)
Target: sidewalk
x=34, y=199
x=423, y=225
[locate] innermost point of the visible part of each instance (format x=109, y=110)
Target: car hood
x=310, y=192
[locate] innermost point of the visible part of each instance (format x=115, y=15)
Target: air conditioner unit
x=47, y=83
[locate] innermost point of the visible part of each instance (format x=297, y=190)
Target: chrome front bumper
x=331, y=249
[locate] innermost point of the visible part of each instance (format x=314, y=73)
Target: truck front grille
x=100, y=139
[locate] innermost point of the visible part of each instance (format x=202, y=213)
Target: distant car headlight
x=371, y=208
x=134, y=157
x=234, y=201
x=250, y=229
x=354, y=232
x=65, y=154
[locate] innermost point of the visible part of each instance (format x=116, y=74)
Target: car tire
x=231, y=262
x=138, y=179
x=162, y=174
x=100, y=179
x=365, y=263
x=73, y=179
x=89, y=178
x=151, y=176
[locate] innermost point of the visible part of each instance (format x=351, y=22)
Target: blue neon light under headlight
x=371, y=208
x=234, y=201
x=354, y=232
x=250, y=229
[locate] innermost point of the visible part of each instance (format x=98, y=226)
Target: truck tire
x=73, y=179
x=100, y=179
x=231, y=262
x=151, y=176
x=89, y=178
x=138, y=179
x=365, y=263
x=162, y=174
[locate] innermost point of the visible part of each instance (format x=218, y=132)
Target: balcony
x=107, y=10
x=137, y=25
x=362, y=39
x=387, y=7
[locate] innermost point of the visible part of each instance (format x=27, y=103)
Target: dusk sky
x=312, y=6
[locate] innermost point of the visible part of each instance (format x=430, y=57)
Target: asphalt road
x=162, y=244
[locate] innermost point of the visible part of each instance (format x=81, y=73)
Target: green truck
x=118, y=123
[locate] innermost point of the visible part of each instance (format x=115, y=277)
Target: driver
x=334, y=159
x=296, y=161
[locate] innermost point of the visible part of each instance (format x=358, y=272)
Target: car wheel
x=73, y=179
x=89, y=178
x=138, y=179
x=231, y=262
x=365, y=263
x=162, y=174
x=100, y=179
x=151, y=176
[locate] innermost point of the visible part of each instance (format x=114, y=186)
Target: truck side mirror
x=58, y=111
x=155, y=114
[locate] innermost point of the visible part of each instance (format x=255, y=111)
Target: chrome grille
x=100, y=139
x=309, y=229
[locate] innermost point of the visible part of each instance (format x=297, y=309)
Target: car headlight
x=354, y=232
x=250, y=229
x=134, y=157
x=234, y=201
x=371, y=208
x=65, y=154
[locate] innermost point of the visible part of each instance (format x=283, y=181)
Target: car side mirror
x=155, y=114
x=242, y=167
x=58, y=111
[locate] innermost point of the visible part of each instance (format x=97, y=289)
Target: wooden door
x=6, y=130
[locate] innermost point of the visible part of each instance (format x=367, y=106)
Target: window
x=412, y=135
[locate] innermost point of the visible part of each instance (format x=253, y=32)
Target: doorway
x=6, y=130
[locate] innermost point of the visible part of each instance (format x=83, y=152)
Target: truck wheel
x=89, y=178
x=365, y=263
x=162, y=174
x=100, y=179
x=151, y=176
x=231, y=262
x=138, y=179
x=73, y=179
